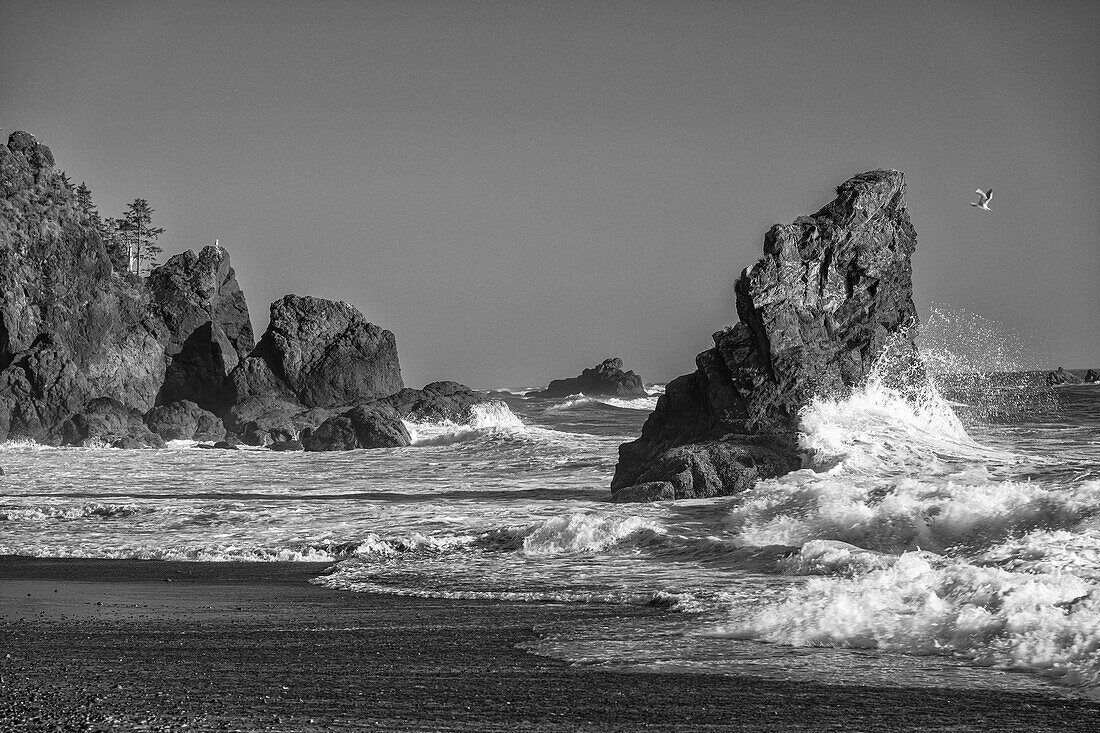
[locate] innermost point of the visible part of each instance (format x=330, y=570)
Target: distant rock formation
x=815, y=313
x=70, y=330
x=202, y=305
x=604, y=380
x=320, y=353
x=1061, y=376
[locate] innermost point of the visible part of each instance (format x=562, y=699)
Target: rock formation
x=605, y=379
x=438, y=402
x=184, y=420
x=815, y=313
x=1061, y=376
x=89, y=356
x=70, y=329
x=375, y=425
x=106, y=421
x=198, y=299
x=320, y=353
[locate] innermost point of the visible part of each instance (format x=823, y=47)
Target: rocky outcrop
x=815, y=312
x=438, y=402
x=184, y=420
x=104, y=421
x=71, y=330
x=264, y=419
x=375, y=425
x=605, y=379
x=90, y=356
x=1062, y=376
x=320, y=353
x=209, y=332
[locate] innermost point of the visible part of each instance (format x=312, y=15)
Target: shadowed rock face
x=202, y=305
x=815, y=312
x=605, y=379
x=70, y=329
x=320, y=353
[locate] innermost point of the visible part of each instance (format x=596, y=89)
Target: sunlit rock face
x=321, y=353
x=815, y=312
x=71, y=329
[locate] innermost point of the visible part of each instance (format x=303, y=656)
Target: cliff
x=71, y=330
x=815, y=312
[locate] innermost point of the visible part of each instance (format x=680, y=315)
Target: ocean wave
x=577, y=401
x=969, y=510
x=52, y=512
x=187, y=553
x=485, y=418
x=878, y=431
x=1046, y=623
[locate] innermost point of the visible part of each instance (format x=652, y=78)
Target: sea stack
x=815, y=313
x=605, y=379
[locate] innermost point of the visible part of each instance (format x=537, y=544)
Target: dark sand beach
x=132, y=645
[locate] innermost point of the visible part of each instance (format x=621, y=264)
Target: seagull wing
x=989, y=195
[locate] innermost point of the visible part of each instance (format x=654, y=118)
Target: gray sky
x=520, y=189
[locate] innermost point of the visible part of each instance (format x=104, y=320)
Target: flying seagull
x=984, y=197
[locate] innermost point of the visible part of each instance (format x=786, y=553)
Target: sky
x=519, y=190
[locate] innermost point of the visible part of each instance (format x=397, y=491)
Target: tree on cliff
x=141, y=235
x=88, y=212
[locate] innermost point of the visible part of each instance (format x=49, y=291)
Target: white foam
x=1043, y=623
x=580, y=532
x=484, y=418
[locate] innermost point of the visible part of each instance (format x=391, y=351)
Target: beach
x=155, y=645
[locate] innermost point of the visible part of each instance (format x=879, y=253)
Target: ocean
x=948, y=537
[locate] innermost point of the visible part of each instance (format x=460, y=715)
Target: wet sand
x=132, y=645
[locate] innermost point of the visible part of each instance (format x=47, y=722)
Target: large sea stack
x=198, y=298
x=321, y=353
x=815, y=312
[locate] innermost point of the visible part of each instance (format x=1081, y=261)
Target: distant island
x=606, y=379
x=93, y=353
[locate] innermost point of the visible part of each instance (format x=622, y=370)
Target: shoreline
x=160, y=645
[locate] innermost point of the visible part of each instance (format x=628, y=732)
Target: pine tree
x=141, y=235
x=87, y=209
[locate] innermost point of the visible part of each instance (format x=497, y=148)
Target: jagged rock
x=322, y=353
x=815, y=313
x=1092, y=376
x=184, y=420
x=286, y=445
x=261, y=420
x=438, y=402
x=374, y=425
x=1061, y=376
x=70, y=329
x=606, y=379
x=220, y=445
x=106, y=421
x=202, y=305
